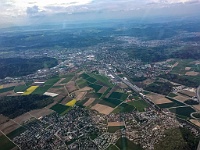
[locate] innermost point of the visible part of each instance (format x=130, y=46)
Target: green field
x=135, y=97
x=47, y=85
x=118, y=95
x=91, y=80
x=139, y=105
x=112, y=147
x=110, y=102
x=85, y=76
x=16, y=132
x=174, y=103
x=95, y=87
x=5, y=143
x=125, y=144
x=182, y=111
x=113, y=129
x=81, y=83
x=168, y=105
x=124, y=108
x=172, y=95
x=67, y=79
x=59, y=108
x=102, y=79
x=93, y=95
x=20, y=88
x=146, y=92
x=7, y=89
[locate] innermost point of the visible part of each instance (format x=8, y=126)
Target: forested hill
x=14, y=67
x=161, y=53
x=14, y=106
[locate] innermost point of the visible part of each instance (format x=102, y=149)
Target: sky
x=25, y=12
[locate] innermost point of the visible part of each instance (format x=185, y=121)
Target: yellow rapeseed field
x=71, y=103
x=1, y=86
x=30, y=90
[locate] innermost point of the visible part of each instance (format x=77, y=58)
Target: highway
x=198, y=93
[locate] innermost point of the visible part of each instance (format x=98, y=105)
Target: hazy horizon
x=31, y=12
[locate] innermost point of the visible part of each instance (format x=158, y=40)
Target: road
x=198, y=93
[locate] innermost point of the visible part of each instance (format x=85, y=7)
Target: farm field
x=30, y=90
x=41, y=112
x=5, y=143
x=71, y=86
x=85, y=76
x=81, y=83
x=8, y=127
x=124, y=108
x=82, y=102
x=80, y=95
x=134, y=96
x=181, y=98
x=173, y=103
x=59, y=108
x=172, y=95
x=115, y=124
x=62, y=99
x=178, y=103
x=140, y=105
x=158, y=98
x=93, y=95
x=102, y=109
x=71, y=103
x=110, y=102
x=118, y=95
x=20, y=88
x=168, y=105
x=20, y=119
x=182, y=111
x=68, y=77
x=7, y=89
x=124, y=144
x=3, y=119
x=89, y=102
x=103, y=90
x=102, y=79
x=47, y=85
x=196, y=122
x=96, y=87
x=16, y=132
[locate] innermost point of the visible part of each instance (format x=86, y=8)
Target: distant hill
x=14, y=67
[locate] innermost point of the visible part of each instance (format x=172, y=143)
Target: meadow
x=140, y=105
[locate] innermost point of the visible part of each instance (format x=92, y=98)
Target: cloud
x=28, y=9
x=32, y=10
x=33, y=7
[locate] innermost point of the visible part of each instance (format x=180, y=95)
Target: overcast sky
x=23, y=12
